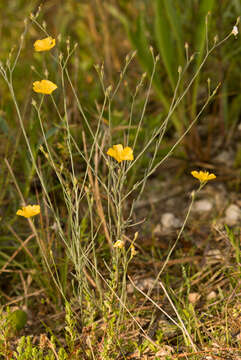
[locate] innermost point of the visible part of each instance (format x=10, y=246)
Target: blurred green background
x=106, y=31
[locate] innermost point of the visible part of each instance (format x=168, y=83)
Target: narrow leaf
x=200, y=40
x=165, y=40
x=174, y=19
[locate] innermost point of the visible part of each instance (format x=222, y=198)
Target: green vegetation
x=90, y=114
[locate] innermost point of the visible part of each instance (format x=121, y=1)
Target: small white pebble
x=157, y=230
x=194, y=297
x=212, y=295
x=224, y=157
x=232, y=215
x=239, y=336
x=202, y=205
x=168, y=220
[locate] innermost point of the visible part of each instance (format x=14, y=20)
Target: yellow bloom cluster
x=44, y=86
x=119, y=153
x=29, y=211
x=203, y=176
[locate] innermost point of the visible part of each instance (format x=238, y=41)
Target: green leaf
x=176, y=29
x=200, y=40
x=4, y=125
x=48, y=135
x=138, y=37
x=118, y=15
x=5, y=129
x=17, y=320
x=164, y=39
x=200, y=35
x=138, y=40
x=234, y=111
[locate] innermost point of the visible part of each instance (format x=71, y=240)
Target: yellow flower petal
x=203, y=176
x=120, y=154
x=44, y=87
x=29, y=211
x=119, y=244
x=44, y=44
x=113, y=153
x=127, y=154
x=118, y=148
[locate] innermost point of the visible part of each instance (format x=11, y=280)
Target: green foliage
x=26, y=350
x=17, y=320
x=172, y=25
x=235, y=242
x=200, y=39
x=48, y=347
x=168, y=34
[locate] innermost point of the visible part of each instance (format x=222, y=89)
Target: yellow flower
x=44, y=87
x=120, y=154
x=119, y=244
x=203, y=176
x=29, y=211
x=44, y=44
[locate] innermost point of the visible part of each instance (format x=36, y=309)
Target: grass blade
x=200, y=40
x=176, y=28
x=164, y=40
x=139, y=42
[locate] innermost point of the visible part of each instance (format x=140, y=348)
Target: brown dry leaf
x=214, y=256
x=165, y=351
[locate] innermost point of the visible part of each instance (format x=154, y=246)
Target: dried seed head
x=33, y=102
x=192, y=57
x=61, y=57
x=215, y=39
x=133, y=54
x=68, y=45
x=108, y=90
x=97, y=67
x=235, y=31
